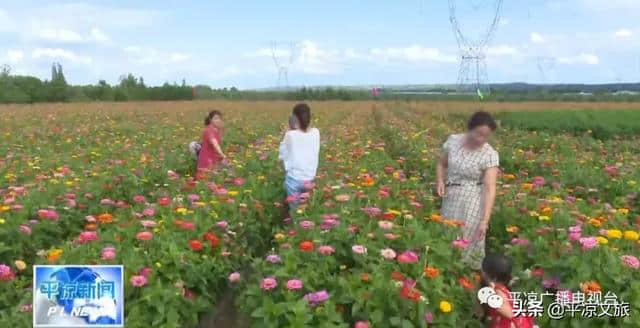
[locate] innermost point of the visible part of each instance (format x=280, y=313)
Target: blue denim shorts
x=293, y=186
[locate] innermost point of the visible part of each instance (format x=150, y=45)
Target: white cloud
x=57, y=53
x=98, y=35
x=59, y=35
x=15, y=55
x=414, y=53
x=583, y=58
x=311, y=58
x=178, y=57
x=502, y=50
x=537, y=38
x=623, y=33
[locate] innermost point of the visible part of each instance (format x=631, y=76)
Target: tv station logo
x=78, y=296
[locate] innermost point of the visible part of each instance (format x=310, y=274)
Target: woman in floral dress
x=466, y=180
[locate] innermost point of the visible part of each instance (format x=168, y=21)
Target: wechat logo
x=487, y=295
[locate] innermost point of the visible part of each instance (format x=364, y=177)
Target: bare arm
x=217, y=147
x=489, y=183
x=441, y=172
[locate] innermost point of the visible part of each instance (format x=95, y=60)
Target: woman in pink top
x=211, y=152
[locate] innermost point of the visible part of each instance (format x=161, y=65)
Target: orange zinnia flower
x=436, y=217
x=368, y=181
x=431, y=272
x=364, y=277
x=464, y=282
x=397, y=276
x=105, y=218
x=54, y=255
x=91, y=226
x=590, y=287
x=306, y=246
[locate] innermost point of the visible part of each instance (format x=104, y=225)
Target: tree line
x=29, y=89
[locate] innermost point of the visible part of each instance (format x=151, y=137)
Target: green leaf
x=258, y=313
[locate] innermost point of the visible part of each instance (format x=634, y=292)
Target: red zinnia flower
x=410, y=294
x=212, y=238
x=196, y=245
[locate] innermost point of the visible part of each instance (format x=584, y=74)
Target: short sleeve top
x=467, y=166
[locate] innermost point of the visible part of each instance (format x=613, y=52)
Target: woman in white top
x=299, y=151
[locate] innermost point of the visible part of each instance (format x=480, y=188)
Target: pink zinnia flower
x=408, y=257
x=359, y=249
x=148, y=223
x=149, y=212
x=87, y=236
x=428, y=317
x=538, y=181
x=108, y=253
x=138, y=281
x=138, y=198
x=630, y=261
x=588, y=242
x=326, y=250
x=25, y=229
x=575, y=229
x=385, y=225
x=388, y=253
x=145, y=272
x=48, y=214
x=144, y=235
x=238, y=181
x=519, y=242
x=361, y=324
x=5, y=273
x=294, y=284
x=107, y=202
x=268, y=283
x=317, y=297
x=460, y=243
x=222, y=224
x=306, y=224
x=193, y=197
x=234, y=277
x=575, y=236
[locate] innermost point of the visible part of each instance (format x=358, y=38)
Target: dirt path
x=225, y=315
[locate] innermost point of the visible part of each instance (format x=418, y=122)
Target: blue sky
x=338, y=42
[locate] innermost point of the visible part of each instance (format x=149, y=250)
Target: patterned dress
x=464, y=200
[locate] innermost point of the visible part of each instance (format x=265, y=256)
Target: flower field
x=112, y=184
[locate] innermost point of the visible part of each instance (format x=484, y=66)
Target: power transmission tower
x=278, y=53
x=472, y=75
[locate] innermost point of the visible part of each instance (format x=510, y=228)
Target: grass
x=599, y=124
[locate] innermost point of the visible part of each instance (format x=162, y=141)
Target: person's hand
x=482, y=231
x=441, y=189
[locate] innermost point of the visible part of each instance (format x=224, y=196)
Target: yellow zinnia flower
x=513, y=229
x=445, y=306
x=623, y=211
x=631, y=235
x=602, y=241
x=20, y=265
x=617, y=234
x=544, y=218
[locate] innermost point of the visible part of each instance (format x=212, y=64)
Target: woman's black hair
x=212, y=114
x=497, y=268
x=481, y=118
x=303, y=114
